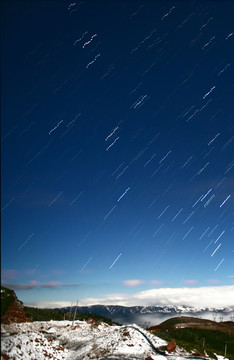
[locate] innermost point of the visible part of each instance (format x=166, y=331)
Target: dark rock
x=15, y=313
x=171, y=346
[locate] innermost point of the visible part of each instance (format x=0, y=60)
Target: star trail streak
x=225, y=201
x=113, y=131
x=219, y=264
x=125, y=192
x=55, y=127
x=206, y=194
x=106, y=216
x=215, y=250
x=115, y=260
x=204, y=233
x=187, y=233
x=209, y=201
x=91, y=62
x=25, y=242
x=208, y=93
x=52, y=202
x=177, y=214
x=86, y=263
x=219, y=236
x=108, y=147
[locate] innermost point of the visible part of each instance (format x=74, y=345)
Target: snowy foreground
x=61, y=340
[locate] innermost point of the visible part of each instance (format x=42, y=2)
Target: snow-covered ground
x=79, y=340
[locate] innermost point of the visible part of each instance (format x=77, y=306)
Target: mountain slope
x=12, y=310
x=82, y=340
x=198, y=335
x=183, y=322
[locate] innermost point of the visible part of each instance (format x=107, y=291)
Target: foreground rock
x=15, y=312
x=171, y=346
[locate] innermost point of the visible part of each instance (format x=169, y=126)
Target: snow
x=69, y=340
x=220, y=357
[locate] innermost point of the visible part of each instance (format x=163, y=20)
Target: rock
x=15, y=313
x=171, y=346
x=92, y=321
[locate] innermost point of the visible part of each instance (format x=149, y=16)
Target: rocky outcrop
x=171, y=346
x=15, y=313
x=92, y=321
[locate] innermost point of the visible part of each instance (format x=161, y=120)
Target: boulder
x=15, y=313
x=92, y=321
x=171, y=346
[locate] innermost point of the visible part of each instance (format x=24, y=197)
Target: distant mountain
x=147, y=315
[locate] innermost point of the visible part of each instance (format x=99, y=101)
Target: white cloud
x=133, y=282
x=213, y=281
x=49, y=304
x=190, y=282
x=156, y=282
x=209, y=296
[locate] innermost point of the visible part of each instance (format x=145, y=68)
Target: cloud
x=157, y=282
x=207, y=296
x=213, y=281
x=49, y=304
x=30, y=272
x=9, y=274
x=138, y=282
x=36, y=285
x=51, y=284
x=190, y=282
x=31, y=285
x=133, y=282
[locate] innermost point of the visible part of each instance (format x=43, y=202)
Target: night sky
x=117, y=149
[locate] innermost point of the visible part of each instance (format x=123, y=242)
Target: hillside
x=7, y=299
x=198, y=335
x=81, y=340
x=13, y=311
x=47, y=314
x=195, y=323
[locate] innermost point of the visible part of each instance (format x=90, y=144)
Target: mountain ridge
x=148, y=309
x=147, y=314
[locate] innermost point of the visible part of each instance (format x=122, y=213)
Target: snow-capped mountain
x=169, y=309
x=152, y=315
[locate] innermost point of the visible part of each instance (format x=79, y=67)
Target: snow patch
x=81, y=340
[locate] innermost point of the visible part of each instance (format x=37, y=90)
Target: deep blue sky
x=117, y=146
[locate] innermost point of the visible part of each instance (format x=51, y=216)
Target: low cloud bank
x=210, y=296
